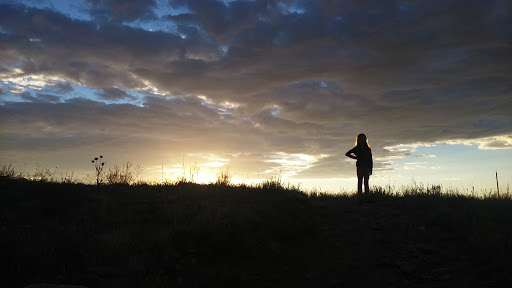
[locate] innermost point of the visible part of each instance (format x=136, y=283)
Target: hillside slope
x=203, y=235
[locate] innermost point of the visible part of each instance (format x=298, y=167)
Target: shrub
x=44, y=174
x=8, y=171
x=224, y=178
x=124, y=174
x=274, y=183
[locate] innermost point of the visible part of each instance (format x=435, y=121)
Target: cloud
x=48, y=98
x=258, y=58
x=101, y=57
x=17, y=89
x=119, y=10
x=173, y=122
x=114, y=94
x=426, y=156
x=486, y=143
x=62, y=87
x=258, y=78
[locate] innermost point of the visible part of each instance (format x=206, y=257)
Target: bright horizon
x=417, y=169
x=260, y=91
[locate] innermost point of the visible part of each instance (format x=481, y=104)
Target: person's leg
x=360, y=175
x=366, y=179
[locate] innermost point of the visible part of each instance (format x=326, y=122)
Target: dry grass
x=185, y=234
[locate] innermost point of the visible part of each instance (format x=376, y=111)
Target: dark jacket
x=363, y=156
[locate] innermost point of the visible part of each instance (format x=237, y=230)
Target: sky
x=260, y=89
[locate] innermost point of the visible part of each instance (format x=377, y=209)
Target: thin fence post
x=497, y=186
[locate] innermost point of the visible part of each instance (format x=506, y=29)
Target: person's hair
x=362, y=140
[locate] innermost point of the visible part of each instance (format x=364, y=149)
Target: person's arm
x=349, y=154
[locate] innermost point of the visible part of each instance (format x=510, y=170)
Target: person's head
x=361, y=140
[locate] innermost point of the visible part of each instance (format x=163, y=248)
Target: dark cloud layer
x=114, y=94
x=300, y=77
x=120, y=10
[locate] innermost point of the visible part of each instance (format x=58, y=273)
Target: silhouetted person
x=363, y=154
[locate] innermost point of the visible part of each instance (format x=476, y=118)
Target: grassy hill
x=190, y=235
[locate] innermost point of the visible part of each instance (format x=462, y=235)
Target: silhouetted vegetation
x=123, y=174
x=224, y=178
x=185, y=234
x=8, y=171
x=99, y=165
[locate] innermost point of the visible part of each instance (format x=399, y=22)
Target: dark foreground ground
x=189, y=235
